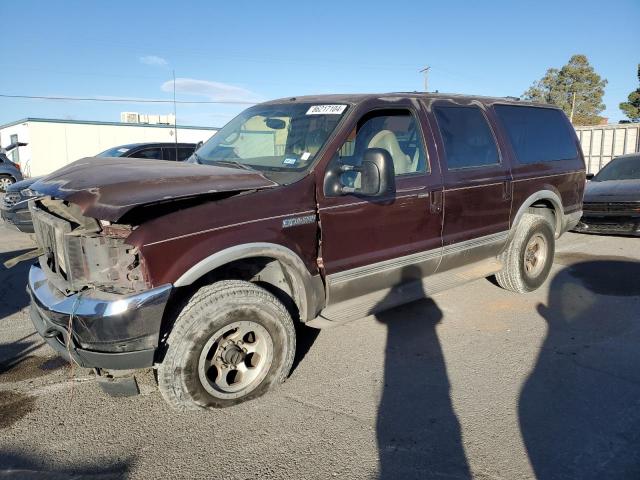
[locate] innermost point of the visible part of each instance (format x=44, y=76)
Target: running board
x=404, y=293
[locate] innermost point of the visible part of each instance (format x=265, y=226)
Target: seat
x=388, y=141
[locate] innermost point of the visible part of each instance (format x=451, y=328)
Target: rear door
x=477, y=183
x=372, y=245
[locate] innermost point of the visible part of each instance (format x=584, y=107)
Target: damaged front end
x=81, y=253
x=91, y=300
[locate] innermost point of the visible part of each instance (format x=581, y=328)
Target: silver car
x=9, y=172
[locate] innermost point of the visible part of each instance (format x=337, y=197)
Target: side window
x=153, y=153
x=169, y=153
x=184, y=153
x=395, y=131
x=468, y=141
x=537, y=134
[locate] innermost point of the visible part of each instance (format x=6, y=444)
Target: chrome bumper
x=107, y=330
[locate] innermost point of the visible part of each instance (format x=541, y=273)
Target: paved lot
x=475, y=383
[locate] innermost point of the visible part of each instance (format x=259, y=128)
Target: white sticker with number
x=326, y=109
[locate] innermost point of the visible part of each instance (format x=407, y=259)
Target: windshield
x=277, y=139
x=620, y=169
x=114, y=152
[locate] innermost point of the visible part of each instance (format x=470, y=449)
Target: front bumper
x=95, y=328
x=19, y=219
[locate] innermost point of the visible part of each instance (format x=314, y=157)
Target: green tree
x=632, y=108
x=576, y=88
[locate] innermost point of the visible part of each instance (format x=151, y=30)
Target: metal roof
x=92, y=122
x=360, y=97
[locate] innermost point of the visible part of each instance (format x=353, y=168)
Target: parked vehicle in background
x=9, y=171
x=314, y=210
x=612, y=199
x=15, y=208
x=157, y=151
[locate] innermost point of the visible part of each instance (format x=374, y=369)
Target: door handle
x=435, y=201
x=506, y=190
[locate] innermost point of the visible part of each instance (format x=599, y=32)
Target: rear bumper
x=609, y=225
x=117, y=332
x=571, y=220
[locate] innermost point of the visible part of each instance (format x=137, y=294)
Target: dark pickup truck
x=316, y=210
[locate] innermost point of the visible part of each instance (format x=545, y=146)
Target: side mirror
x=376, y=176
x=590, y=176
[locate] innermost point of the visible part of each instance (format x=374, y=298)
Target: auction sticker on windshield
x=326, y=109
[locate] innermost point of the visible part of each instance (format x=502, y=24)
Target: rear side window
x=184, y=153
x=152, y=153
x=537, y=134
x=468, y=141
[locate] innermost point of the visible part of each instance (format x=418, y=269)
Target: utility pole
x=175, y=114
x=425, y=70
x=573, y=107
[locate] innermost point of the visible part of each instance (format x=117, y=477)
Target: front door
x=372, y=248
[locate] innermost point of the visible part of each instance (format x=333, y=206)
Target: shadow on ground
x=13, y=282
x=418, y=432
x=18, y=465
x=18, y=360
x=579, y=409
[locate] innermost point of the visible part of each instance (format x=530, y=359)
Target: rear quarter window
x=537, y=134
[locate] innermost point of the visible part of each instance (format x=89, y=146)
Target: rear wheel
x=5, y=182
x=232, y=342
x=528, y=258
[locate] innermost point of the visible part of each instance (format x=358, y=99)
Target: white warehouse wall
x=53, y=144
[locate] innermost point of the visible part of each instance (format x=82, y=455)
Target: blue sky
x=251, y=51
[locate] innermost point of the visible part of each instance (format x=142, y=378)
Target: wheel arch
x=271, y=264
x=541, y=199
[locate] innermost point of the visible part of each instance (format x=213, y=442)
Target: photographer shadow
x=579, y=410
x=418, y=433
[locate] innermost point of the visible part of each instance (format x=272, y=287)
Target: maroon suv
x=313, y=209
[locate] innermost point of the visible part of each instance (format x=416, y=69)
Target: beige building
x=55, y=143
x=601, y=143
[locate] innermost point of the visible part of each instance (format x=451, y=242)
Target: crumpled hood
x=107, y=188
x=613, y=191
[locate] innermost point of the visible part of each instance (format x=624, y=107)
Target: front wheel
x=528, y=258
x=232, y=342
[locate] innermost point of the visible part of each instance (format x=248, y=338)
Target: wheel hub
x=535, y=255
x=235, y=359
x=233, y=355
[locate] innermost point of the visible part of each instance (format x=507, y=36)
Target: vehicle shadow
x=13, y=281
x=418, y=433
x=19, y=465
x=579, y=409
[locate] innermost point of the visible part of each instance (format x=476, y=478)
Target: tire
x=526, y=268
x=205, y=347
x=5, y=181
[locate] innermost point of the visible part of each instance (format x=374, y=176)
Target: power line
x=126, y=100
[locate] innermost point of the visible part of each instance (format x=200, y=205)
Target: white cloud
x=215, y=91
x=154, y=61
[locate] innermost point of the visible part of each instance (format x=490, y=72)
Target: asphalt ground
x=476, y=382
